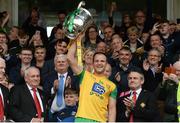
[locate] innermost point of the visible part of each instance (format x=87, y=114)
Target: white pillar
x=14, y=12
x=173, y=9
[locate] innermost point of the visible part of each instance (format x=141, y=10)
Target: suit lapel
x=5, y=95
x=29, y=96
x=140, y=98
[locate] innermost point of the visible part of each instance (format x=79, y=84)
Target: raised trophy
x=75, y=23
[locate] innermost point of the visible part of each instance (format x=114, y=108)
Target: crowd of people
x=130, y=73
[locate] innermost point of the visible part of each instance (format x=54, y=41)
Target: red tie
x=134, y=100
x=1, y=109
x=38, y=107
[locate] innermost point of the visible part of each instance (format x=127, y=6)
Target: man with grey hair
x=3, y=77
x=4, y=92
x=56, y=82
x=169, y=89
x=137, y=105
x=26, y=101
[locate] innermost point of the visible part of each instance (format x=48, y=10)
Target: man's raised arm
x=71, y=56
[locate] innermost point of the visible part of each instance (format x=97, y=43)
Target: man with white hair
x=170, y=84
x=56, y=82
x=26, y=103
x=4, y=92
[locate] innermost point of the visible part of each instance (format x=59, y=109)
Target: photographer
x=168, y=88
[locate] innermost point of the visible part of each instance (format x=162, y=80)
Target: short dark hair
x=66, y=40
x=164, y=21
x=70, y=91
x=137, y=70
x=27, y=48
x=62, y=12
x=126, y=48
x=99, y=53
x=108, y=26
x=39, y=47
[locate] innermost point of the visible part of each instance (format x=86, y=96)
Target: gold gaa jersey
x=94, y=96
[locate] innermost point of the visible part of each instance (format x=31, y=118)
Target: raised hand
x=118, y=76
x=158, y=69
x=155, y=28
x=146, y=65
x=174, y=77
x=115, y=54
x=128, y=103
x=68, y=82
x=55, y=85
x=165, y=76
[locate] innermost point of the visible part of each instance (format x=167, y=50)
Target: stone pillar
x=14, y=12
x=173, y=9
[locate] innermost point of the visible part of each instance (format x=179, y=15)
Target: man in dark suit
x=16, y=73
x=122, y=68
x=4, y=92
x=152, y=70
x=4, y=97
x=136, y=105
x=61, y=68
x=26, y=101
x=51, y=81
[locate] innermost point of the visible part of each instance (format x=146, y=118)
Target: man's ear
x=77, y=98
x=55, y=47
x=142, y=82
x=19, y=55
x=159, y=59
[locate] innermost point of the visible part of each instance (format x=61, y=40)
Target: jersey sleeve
x=80, y=77
x=113, y=94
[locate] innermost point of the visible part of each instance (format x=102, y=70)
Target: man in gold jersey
x=97, y=97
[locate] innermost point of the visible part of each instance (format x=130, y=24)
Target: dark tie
x=134, y=100
x=37, y=103
x=1, y=109
x=60, y=92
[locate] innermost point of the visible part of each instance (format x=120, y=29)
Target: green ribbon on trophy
x=69, y=22
x=75, y=23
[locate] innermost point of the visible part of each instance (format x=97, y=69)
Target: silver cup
x=77, y=21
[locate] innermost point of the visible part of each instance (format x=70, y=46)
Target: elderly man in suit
x=4, y=93
x=136, y=105
x=56, y=82
x=26, y=101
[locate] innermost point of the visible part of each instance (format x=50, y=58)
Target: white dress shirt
x=138, y=91
x=38, y=95
x=54, y=106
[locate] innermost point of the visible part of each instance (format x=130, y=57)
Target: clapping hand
x=174, y=77
x=146, y=65
x=129, y=103
x=68, y=82
x=158, y=69
x=55, y=85
x=118, y=77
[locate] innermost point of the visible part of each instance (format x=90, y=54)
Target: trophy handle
x=82, y=3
